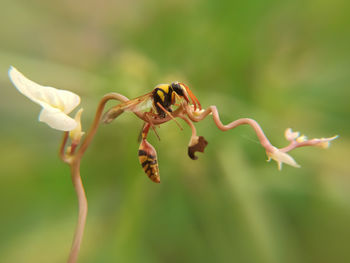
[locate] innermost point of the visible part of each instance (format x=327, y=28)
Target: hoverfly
x=159, y=101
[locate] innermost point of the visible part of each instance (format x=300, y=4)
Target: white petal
x=284, y=158
x=56, y=119
x=64, y=100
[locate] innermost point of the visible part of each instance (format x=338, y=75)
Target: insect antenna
x=195, y=101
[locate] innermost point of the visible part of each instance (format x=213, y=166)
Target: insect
x=159, y=102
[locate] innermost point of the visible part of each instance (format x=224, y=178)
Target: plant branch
x=93, y=129
x=62, y=147
x=83, y=207
x=312, y=142
x=193, y=128
x=212, y=109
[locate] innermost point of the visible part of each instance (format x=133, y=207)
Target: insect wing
x=141, y=103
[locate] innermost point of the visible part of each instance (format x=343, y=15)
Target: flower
x=281, y=157
x=55, y=103
x=324, y=142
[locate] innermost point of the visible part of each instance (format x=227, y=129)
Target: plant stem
x=74, y=161
x=256, y=127
x=62, y=147
x=83, y=208
x=93, y=129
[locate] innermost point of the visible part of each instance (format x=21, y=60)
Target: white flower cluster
x=296, y=139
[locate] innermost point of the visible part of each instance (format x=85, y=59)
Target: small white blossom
x=281, y=157
x=55, y=103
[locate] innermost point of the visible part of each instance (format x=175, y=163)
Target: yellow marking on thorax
x=164, y=88
x=161, y=95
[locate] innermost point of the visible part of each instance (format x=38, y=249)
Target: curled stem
x=256, y=127
x=184, y=112
x=115, y=96
x=93, y=129
x=74, y=161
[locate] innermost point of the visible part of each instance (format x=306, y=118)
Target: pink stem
x=256, y=127
x=62, y=147
x=190, y=123
x=99, y=111
x=295, y=144
x=83, y=208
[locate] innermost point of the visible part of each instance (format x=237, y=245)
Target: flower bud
x=76, y=134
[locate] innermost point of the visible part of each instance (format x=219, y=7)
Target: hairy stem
x=83, y=207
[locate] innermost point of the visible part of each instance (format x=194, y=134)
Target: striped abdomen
x=148, y=161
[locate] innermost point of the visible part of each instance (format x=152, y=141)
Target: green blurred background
x=283, y=63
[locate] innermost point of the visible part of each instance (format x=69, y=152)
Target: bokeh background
x=283, y=63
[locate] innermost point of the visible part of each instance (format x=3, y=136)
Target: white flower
x=55, y=103
x=280, y=158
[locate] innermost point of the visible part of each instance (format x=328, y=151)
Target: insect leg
x=171, y=116
x=149, y=120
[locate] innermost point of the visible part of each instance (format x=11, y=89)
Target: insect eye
x=178, y=89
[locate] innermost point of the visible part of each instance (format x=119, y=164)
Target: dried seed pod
x=197, y=144
x=148, y=160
